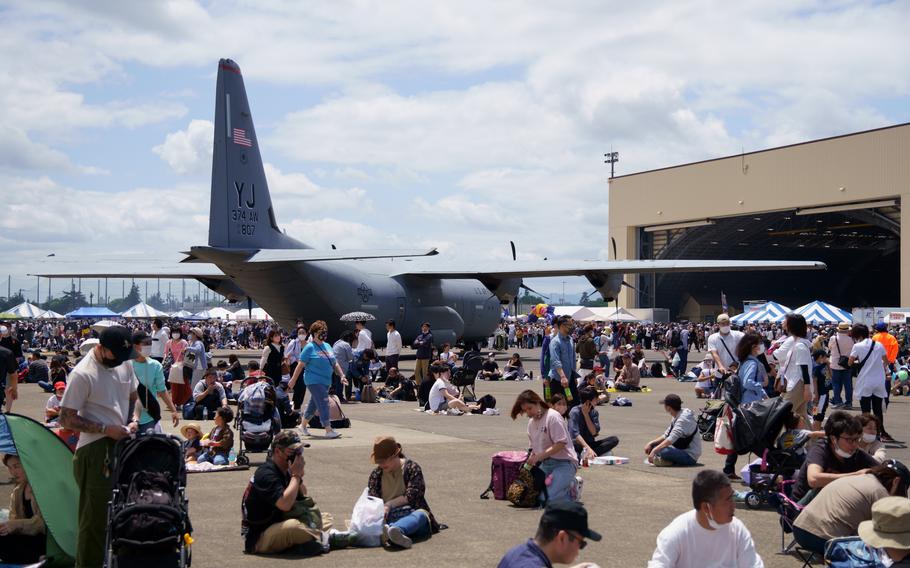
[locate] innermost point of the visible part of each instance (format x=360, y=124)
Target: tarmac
x=629, y=504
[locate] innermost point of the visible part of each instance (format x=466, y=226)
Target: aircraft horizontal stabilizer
x=310, y=255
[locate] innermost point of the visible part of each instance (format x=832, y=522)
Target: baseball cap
x=723, y=318
x=288, y=439
x=569, y=516
x=881, y=326
x=119, y=340
x=59, y=385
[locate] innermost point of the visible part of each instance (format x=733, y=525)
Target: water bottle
x=232, y=457
x=546, y=390
x=205, y=413
x=568, y=394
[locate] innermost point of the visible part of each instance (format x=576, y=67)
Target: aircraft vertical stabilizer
x=241, y=214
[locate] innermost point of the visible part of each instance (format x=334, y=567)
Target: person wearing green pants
x=97, y=403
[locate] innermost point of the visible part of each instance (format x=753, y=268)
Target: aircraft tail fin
x=241, y=214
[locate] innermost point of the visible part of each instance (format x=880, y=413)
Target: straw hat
x=190, y=426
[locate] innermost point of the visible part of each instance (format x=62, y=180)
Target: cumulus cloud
x=189, y=151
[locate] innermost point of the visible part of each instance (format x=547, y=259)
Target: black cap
x=120, y=341
x=141, y=337
x=569, y=516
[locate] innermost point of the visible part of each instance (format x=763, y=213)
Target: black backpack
x=150, y=517
x=485, y=402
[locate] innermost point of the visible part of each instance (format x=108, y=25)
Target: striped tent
x=769, y=312
x=821, y=312
x=51, y=315
x=26, y=310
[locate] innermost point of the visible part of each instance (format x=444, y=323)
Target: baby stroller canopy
x=48, y=465
x=757, y=425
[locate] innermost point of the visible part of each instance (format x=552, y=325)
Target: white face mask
x=725, y=329
x=843, y=454
x=869, y=438
x=711, y=522
x=175, y=335
x=146, y=350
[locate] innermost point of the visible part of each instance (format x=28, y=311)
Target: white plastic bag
x=367, y=520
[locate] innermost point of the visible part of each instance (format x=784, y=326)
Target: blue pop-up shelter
x=86, y=312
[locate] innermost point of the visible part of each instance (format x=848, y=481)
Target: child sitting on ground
x=796, y=436
x=192, y=447
x=221, y=439
x=52, y=409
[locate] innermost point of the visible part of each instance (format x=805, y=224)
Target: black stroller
x=465, y=377
x=707, y=419
x=257, y=421
x=755, y=428
x=148, y=514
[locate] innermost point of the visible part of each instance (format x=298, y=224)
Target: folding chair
x=788, y=510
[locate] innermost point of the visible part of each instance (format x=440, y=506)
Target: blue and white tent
x=770, y=312
x=821, y=312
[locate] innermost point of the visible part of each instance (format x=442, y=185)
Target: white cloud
x=189, y=151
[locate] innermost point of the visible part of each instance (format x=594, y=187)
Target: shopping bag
x=723, y=433
x=175, y=375
x=367, y=520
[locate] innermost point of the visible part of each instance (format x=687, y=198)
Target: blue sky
x=461, y=126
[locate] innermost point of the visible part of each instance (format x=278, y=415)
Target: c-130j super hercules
x=249, y=257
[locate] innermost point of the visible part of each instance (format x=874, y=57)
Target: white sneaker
x=304, y=431
x=332, y=435
x=398, y=538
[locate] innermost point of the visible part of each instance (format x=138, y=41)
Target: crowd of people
x=125, y=376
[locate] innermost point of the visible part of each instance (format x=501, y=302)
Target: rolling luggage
x=503, y=471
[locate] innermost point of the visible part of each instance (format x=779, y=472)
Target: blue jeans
x=842, y=378
x=318, y=404
x=676, y=456
x=219, y=459
x=560, y=480
x=683, y=361
x=46, y=386
x=416, y=525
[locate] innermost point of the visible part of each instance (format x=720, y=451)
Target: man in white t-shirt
x=392, y=346
x=708, y=536
x=443, y=395
x=364, y=337
x=96, y=403
x=160, y=334
x=723, y=343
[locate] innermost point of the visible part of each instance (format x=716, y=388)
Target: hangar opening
x=836, y=200
x=861, y=247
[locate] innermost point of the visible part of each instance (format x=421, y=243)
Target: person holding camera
x=316, y=363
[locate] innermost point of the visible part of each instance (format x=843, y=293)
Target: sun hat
x=384, y=447
x=190, y=426
x=890, y=524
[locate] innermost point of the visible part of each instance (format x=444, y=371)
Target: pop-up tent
x=48, y=465
x=143, y=310
x=821, y=312
x=26, y=310
x=50, y=315
x=86, y=312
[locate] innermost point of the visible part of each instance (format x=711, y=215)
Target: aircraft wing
x=172, y=271
x=526, y=269
x=214, y=254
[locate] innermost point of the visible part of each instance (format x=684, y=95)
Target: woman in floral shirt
x=398, y=481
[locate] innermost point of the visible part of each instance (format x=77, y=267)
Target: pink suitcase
x=503, y=471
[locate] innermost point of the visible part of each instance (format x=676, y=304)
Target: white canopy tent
x=26, y=310
x=219, y=313
x=604, y=314
x=256, y=314
x=51, y=315
x=181, y=314
x=100, y=326
x=566, y=310
x=143, y=310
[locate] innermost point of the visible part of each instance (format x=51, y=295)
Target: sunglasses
x=582, y=543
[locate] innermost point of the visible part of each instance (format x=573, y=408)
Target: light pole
x=611, y=158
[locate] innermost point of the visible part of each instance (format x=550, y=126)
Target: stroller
x=465, y=376
x=765, y=477
x=257, y=419
x=148, y=515
x=707, y=419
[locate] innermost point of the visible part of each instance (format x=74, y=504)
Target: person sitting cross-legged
x=584, y=426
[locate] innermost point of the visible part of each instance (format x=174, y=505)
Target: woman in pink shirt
x=551, y=447
x=175, y=348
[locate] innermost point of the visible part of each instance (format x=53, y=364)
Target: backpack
x=851, y=552
x=525, y=490
x=150, y=515
x=485, y=402
x=336, y=415
x=675, y=340
x=503, y=471
x=368, y=394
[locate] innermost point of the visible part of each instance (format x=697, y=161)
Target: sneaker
x=324, y=541
x=384, y=537
x=661, y=462
x=398, y=538
x=847, y=407
x=886, y=438
x=332, y=435
x=734, y=477
x=342, y=539
x=304, y=431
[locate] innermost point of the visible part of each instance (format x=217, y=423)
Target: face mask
x=843, y=454
x=869, y=438
x=111, y=363
x=725, y=329
x=175, y=335
x=146, y=350
x=711, y=522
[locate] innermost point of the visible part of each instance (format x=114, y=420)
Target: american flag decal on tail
x=240, y=138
